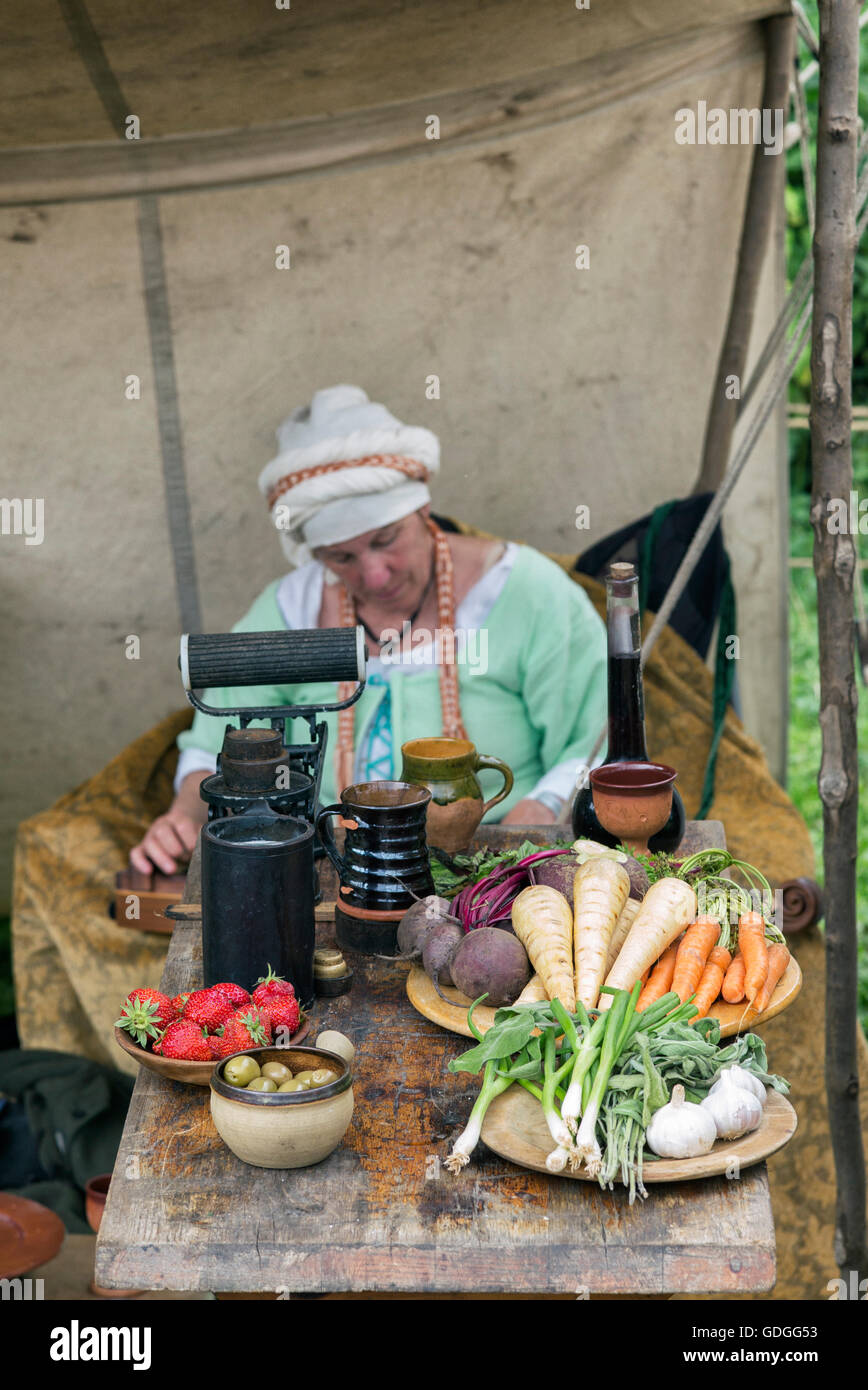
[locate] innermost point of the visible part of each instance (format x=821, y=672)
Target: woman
x=466, y=637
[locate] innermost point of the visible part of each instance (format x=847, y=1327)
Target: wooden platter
x=733, y=1018
x=515, y=1128
x=175, y=1069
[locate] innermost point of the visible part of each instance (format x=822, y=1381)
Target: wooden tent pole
x=834, y=564
x=763, y=195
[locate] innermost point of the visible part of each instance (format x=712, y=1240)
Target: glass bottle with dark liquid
x=626, y=710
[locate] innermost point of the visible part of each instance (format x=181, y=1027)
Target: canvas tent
x=410, y=258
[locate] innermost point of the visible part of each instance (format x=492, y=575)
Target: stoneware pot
x=448, y=767
x=95, y=1193
x=289, y=1129
x=384, y=866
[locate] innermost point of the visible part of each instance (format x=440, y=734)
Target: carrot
x=664, y=912
x=543, y=922
x=752, y=944
x=693, y=953
x=660, y=979
x=713, y=975
x=621, y=930
x=779, y=959
x=733, y=984
x=600, y=889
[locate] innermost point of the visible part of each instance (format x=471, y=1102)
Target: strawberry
x=208, y=1008
x=213, y=1042
x=184, y=1040
x=270, y=987
x=284, y=1013
x=145, y=1013
x=180, y=1000
x=247, y=1028
x=234, y=993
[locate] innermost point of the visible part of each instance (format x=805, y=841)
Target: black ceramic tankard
x=257, y=899
x=384, y=866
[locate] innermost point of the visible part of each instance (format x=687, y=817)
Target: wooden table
x=382, y=1212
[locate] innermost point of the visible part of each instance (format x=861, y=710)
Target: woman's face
x=387, y=568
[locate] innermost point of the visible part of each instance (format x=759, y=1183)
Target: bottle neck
x=626, y=700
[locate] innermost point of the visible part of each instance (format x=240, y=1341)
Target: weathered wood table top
x=382, y=1212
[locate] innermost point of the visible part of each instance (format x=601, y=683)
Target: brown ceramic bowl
x=284, y=1129
x=30, y=1235
x=193, y=1073
x=95, y=1193
x=633, y=800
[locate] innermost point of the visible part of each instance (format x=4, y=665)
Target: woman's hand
x=529, y=812
x=171, y=839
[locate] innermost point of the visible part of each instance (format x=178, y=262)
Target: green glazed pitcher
x=448, y=767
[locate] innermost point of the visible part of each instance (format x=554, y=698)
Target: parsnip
x=543, y=922
x=600, y=890
x=621, y=930
x=534, y=992
x=666, y=909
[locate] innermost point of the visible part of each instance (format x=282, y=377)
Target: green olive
x=293, y=1085
x=262, y=1083
x=306, y=1077
x=241, y=1071
x=277, y=1072
x=322, y=1076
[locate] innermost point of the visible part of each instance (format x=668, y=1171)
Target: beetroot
x=417, y=922
x=559, y=873
x=440, y=945
x=493, y=962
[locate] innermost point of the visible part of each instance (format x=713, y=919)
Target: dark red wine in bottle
x=626, y=711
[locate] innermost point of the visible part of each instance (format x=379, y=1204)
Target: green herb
x=656, y=866
x=452, y=872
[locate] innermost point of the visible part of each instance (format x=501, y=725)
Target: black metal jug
x=257, y=899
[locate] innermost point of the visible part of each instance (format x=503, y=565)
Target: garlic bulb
x=743, y=1078
x=734, y=1111
x=680, y=1129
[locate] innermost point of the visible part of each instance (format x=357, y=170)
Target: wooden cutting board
x=515, y=1128
x=733, y=1018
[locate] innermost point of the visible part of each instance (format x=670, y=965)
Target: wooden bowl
x=192, y=1073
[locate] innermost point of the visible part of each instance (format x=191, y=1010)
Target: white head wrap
x=342, y=424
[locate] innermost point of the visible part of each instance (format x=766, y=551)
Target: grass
x=805, y=744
